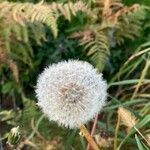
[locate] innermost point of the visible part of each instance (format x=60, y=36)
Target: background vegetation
x=113, y=35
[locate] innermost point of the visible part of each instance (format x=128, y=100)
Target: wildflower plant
x=71, y=92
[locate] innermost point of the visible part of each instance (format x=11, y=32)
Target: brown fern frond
x=69, y=9
x=85, y=36
x=5, y=59
x=114, y=23
x=44, y=13
x=14, y=68
x=18, y=17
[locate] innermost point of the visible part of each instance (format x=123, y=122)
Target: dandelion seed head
x=71, y=92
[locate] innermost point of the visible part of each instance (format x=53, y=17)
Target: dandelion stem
x=93, y=130
x=89, y=138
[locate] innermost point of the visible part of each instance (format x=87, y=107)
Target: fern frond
x=44, y=13
x=114, y=23
x=97, y=47
x=130, y=25
x=5, y=59
x=22, y=22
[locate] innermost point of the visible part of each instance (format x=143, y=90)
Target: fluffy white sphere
x=71, y=92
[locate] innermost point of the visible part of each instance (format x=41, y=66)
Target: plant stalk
x=88, y=137
x=93, y=130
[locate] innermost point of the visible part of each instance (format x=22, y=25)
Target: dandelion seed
x=71, y=92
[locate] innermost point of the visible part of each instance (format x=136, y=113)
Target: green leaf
x=139, y=144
